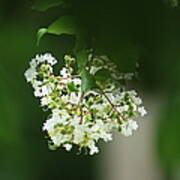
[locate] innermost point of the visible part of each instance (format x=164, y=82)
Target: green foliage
x=172, y=3
x=102, y=75
x=103, y=38
x=40, y=34
x=72, y=87
x=82, y=58
x=88, y=81
x=63, y=25
x=43, y=5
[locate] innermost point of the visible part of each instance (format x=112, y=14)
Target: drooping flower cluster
x=82, y=118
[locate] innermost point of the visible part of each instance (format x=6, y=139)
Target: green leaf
x=82, y=58
x=88, y=81
x=40, y=34
x=44, y=5
x=102, y=75
x=72, y=87
x=64, y=25
x=80, y=43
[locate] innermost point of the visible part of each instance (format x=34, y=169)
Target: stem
x=113, y=106
x=69, y=77
x=81, y=110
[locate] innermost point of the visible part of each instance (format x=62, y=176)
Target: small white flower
x=98, y=107
x=66, y=81
x=42, y=91
x=94, y=70
x=77, y=81
x=134, y=106
x=79, y=134
x=36, y=84
x=60, y=116
x=99, y=124
x=132, y=93
x=94, y=93
x=128, y=127
x=30, y=74
x=49, y=124
x=50, y=59
x=75, y=121
x=107, y=137
x=33, y=63
x=104, y=57
x=128, y=76
x=59, y=138
x=64, y=72
x=46, y=58
x=46, y=90
x=40, y=58
x=93, y=148
x=136, y=100
x=45, y=100
x=38, y=92
x=68, y=147
x=123, y=108
x=142, y=111
x=74, y=98
x=65, y=98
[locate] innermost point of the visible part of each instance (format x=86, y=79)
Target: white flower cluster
x=82, y=118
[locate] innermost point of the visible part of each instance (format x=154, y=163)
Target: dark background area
x=148, y=31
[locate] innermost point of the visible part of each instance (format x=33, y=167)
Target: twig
x=81, y=110
x=69, y=77
x=113, y=106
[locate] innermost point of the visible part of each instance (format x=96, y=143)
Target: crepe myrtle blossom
x=128, y=127
x=82, y=118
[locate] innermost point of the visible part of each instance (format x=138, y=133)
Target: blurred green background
x=153, y=27
x=24, y=154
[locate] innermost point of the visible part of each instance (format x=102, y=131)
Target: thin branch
x=112, y=105
x=81, y=110
x=69, y=77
